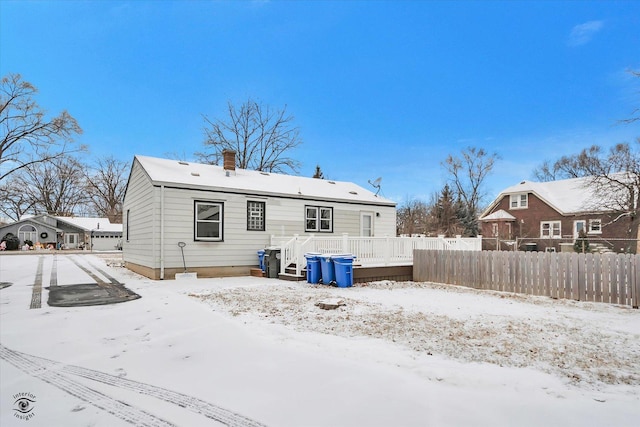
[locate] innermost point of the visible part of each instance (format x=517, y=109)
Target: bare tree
x=467, y=174
x=262, y=138
x=106, y=184
x=318, y=173
x=614, y=176
x=412, y=217
x=14, y=202
x=26, y=136
x=55, y=187
x=635, y=115
x=564, y=168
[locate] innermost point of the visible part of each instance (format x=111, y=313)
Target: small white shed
x=225, y=215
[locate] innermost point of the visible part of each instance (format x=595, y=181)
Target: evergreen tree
x=581, y=245
x=447, y=213
x=318, y=174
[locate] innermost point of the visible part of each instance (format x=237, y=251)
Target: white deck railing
x=369, y=251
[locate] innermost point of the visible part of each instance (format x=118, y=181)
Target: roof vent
x=183, y=163
x=353, y=192
x=264, y=173
x=522, y=182
x=195, y=174
x=331, y=182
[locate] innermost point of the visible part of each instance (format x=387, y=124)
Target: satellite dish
x=376, y=184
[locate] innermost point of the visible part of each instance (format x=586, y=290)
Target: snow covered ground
x=252, y=351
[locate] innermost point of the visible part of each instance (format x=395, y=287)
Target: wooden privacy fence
x=609, y=278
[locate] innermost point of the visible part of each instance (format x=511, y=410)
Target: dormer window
x=519, y=201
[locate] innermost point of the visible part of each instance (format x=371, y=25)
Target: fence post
x=387, y=250
x=635, y=269
x=345, y=243
x=297, y=256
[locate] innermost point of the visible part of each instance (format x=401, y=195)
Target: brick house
x=541, y=215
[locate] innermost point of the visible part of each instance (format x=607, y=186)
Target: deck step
x=256, y=272
x=292, y=277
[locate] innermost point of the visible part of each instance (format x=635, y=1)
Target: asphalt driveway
x=62, y=279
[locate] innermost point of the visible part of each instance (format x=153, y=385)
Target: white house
x=224, y=215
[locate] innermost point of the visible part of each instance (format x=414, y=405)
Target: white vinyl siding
x=141, y=203
x=240, y=246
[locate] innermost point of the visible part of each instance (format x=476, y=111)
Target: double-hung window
x=519, y=201
x=551, y=229
x=208, y=221
x=595, y=226
x=318, y=219
x=255, y=215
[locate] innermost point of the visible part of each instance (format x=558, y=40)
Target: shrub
x=581, y=245
x=13, y=243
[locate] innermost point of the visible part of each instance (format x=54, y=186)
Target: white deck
x=369, y=251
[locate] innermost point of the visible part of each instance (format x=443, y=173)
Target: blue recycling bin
x=261, y=260
x=314, y=273
x=343, y=265
x=328, y=270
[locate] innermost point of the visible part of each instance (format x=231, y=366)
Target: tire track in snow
x=36, y=293
x=112, y=289
x=53, y=281
x=193, y=404
x=44, y=371
x=112, y=279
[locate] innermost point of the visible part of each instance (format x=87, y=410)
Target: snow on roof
x=498, y=215
x=196, y=175
x=567, y=196
x=37, y=219
x=95, y=224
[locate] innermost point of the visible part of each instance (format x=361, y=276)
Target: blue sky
x=378, y=89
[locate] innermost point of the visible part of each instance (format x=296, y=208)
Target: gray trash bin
x=272, y=262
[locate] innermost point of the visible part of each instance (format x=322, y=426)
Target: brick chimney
x=229, y=163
